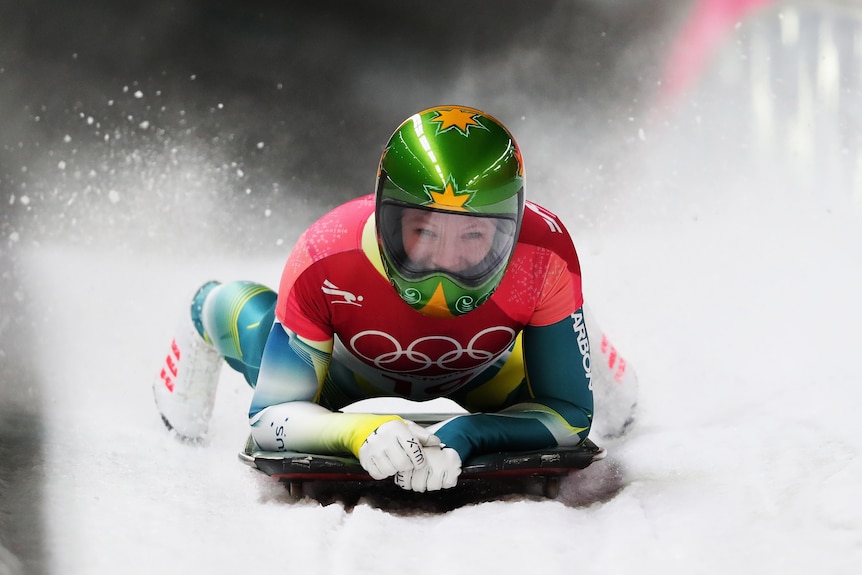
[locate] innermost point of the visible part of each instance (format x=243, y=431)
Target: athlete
x=443, y=283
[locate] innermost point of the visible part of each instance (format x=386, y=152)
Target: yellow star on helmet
x=449, y=200
x=437, y=306
x=456, y=118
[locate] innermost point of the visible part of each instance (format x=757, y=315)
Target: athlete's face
x=450, y=242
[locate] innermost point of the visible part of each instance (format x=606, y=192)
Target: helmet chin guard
x=449, y=205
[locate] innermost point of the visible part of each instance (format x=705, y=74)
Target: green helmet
x=449, y=204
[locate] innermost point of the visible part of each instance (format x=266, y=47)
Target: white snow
x=741, y=317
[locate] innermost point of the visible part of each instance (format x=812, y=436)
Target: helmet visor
x=469, y=248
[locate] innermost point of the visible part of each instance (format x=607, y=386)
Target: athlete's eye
x=473, y=236
x=426, y=233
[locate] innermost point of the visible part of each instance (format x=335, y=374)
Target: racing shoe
x=185, y=388
x=615, y=385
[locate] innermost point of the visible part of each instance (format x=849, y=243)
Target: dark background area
x=321, y=85
x=207, y=127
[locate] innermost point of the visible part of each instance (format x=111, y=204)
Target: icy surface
x=742, y=324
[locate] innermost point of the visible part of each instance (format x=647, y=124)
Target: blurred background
x=208, y=128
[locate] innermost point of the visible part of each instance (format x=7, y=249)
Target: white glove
x=395, y=446
x=441, y=471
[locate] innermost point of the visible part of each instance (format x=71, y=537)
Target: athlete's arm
x=284, y=414
x=559, y=412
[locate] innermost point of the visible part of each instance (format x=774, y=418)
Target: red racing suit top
x=519, y=362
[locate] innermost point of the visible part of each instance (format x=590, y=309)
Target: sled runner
x=539, y=469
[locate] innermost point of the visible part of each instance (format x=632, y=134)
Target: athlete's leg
x=229, y=321
x=236, y=318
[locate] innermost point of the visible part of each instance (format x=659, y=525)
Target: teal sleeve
x=558, y=408
x=557, y=362
x=288, y=371
x=480, y=433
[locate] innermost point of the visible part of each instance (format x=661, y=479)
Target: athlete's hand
x=397, y=445
x=441, y=471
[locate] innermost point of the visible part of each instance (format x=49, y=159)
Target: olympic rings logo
x=434, y=351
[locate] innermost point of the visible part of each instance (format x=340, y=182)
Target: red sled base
x=485, y=477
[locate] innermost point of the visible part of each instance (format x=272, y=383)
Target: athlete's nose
x=447, y=256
